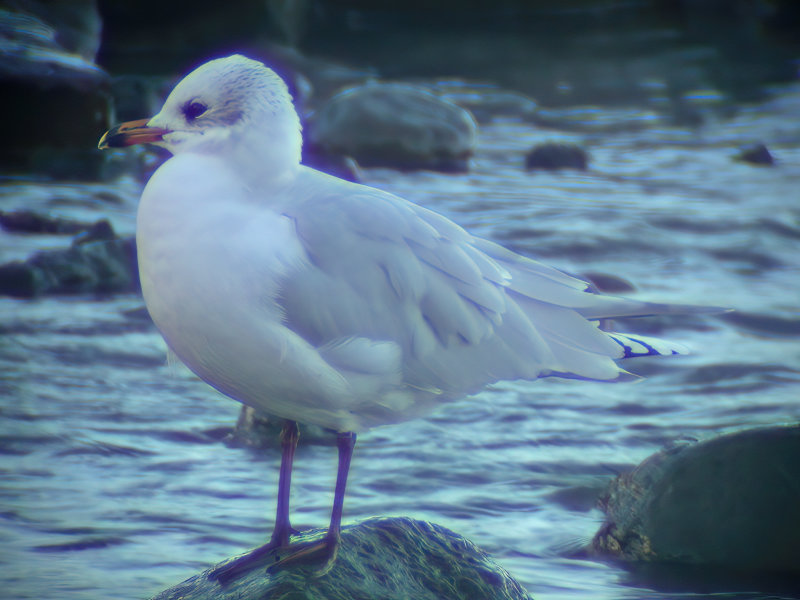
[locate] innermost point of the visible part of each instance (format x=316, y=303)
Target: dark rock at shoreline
x=96, y=262
x=394, y=125
x=730, y=502
x=552, y=156
x=378, y=558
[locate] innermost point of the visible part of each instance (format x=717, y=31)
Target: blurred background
x=652, y=146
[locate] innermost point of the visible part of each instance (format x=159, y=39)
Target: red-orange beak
x=130, y=133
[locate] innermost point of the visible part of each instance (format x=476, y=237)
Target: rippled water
x=115, y=482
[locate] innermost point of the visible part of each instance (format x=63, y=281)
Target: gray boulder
x=394, y=125
x=379, y=558
x=732, y=502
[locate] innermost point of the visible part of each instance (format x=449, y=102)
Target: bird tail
x=640, y=345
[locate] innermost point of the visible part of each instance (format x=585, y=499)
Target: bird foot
x=231, y=569
x=277, y=557
x=321, y=553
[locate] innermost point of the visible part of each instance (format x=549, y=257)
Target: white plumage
x=323, y=301
x=328, y=302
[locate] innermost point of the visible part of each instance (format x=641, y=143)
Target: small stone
x=553, y=155
x=757, y=154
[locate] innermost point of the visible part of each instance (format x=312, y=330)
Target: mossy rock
x=380, y=558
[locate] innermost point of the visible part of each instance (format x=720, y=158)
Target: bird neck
x=268, y=159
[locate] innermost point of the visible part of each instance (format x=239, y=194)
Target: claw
x=323, y=551
x=230, y=570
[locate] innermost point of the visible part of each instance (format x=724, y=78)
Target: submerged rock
x=378, y=558
x=394, y=125
x=727, y=503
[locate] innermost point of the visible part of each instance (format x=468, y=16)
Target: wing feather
x=388, y=281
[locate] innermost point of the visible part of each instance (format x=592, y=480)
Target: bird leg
x=327, y=548
x=280, y=534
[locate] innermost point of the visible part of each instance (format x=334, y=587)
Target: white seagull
x=318, y=300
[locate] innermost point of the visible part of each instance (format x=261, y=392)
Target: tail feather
x=640, y=345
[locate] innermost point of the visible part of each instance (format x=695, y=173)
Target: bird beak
x=130, y=133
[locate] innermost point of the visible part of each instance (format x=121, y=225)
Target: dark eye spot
x=194, y=109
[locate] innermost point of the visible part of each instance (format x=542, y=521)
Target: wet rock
x=553, y=155
x=757, y=154
x=257, y=430
x=57, y=95
x=394, y=125
x=378, y=558
x=28, y=221
x=728, y=503
x=96, y=262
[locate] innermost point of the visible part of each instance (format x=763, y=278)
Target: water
x=115, y=479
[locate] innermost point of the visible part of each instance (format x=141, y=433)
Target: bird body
x=328, y=302
x=352, y=308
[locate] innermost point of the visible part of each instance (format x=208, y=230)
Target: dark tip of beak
x=130, y=133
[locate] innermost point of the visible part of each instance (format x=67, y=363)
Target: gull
x=323, y=301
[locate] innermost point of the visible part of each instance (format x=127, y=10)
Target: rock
x=378, y=558
x=757, y=154
x=27, y=221
x=394, y=125
x=727, y=503
x=256, y=430
x=58, y=98
x=96, y=262
x=553, y=155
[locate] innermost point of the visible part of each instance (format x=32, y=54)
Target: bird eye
x=194, y=109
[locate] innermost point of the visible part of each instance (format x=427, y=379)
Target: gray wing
x=395, y=290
